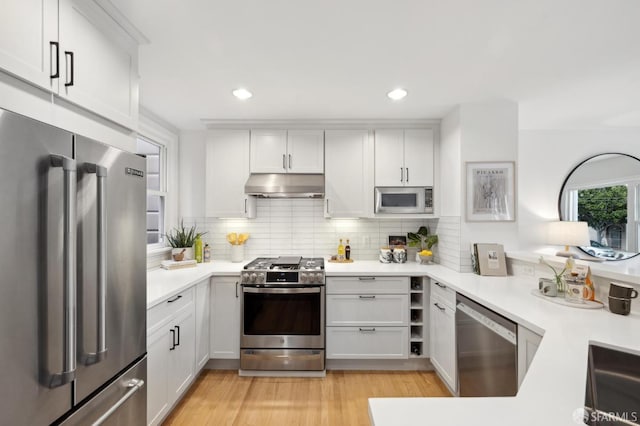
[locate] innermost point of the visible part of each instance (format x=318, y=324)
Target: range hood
x=285, y=185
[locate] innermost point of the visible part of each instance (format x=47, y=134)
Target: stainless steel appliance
x=73, y=282
x=404, y=199
x=613, y=387
x=285, y=185
x=487, y=351
x=283, y=314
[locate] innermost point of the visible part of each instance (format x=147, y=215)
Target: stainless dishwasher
x=486, y=351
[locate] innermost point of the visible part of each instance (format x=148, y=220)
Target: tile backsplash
x=298, y=227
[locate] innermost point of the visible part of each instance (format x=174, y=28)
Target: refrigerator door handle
x=101, y=191
x=134, y=385
x=68, y=373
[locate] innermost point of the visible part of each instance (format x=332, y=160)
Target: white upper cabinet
x=281, y=151
x=27, y=30
x=305, y=151
x=389, y=158
x=75, y=50
x=98, y=62
x=418, y=157
x=268, y=151
x=345, y=173
x=404, y=157
x=227, y=170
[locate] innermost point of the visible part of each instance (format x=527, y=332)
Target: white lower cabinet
x=367, y=318
x=528, y=343
x=225, y=318
x=367, y=342
x=170, y=353
x=443, y=340
x=203, y=321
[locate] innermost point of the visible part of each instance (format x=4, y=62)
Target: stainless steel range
x=283, y=314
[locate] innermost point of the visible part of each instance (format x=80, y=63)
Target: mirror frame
x=564, y=184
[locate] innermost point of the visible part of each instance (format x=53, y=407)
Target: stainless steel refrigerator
x=72, y=278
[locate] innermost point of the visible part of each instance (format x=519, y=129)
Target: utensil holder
x=237, y=253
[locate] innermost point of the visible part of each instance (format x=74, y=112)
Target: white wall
x=546, y=157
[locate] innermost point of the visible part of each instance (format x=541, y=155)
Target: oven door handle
x=290, y=290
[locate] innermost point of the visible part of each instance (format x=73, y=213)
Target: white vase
x=237, y=253
x=188, y=252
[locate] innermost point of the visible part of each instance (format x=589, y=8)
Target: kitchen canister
x=399, y=255
x=574, y=292
x=386, y=255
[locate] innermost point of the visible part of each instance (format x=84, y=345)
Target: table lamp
x=566, y=233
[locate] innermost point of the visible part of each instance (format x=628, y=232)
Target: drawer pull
x=367, y=330
x=439, y=307
x=367, y=297
x=174, y=299
x=367, y=278
x=441, y=285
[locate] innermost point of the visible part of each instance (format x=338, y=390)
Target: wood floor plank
x=224, y=398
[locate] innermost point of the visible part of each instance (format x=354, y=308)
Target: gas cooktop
x=284, y=270
x=286, y=263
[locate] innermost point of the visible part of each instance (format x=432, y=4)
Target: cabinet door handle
x=439, y=307
x=441, y=285
x=245, y=206
x=367, y=297
x=236, y=289
x=401, y=174
x=70, y=77
x=367, y=278
x=367, y=330
x=177, y=327
x=327, y=206
x=289, y=161
x=173, y=339
x=284, y=161
x=55, y=44
x=174, y=299
x=407, y=174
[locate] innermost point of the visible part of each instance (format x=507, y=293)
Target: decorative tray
x=340, y=261
x=560, y=300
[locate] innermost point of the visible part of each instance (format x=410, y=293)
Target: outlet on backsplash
x=366, y=240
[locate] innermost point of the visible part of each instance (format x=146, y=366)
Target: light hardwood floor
x=223, y=398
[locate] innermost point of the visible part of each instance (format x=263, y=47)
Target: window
x=156, y=189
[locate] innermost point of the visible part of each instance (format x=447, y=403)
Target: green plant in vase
x=558, y=276
x=425, y=241
x=182, y=241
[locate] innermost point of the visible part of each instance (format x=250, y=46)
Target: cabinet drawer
x=445, y=293
x=159, y=313
x=370, y=309
x=367, y=342
x=368, y=285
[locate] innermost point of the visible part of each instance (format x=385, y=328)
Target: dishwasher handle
x=498, y=329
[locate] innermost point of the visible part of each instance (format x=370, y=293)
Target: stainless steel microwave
x=404, y=199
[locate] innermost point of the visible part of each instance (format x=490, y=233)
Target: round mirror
x=604, y=191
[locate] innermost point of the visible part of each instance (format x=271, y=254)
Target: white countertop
x=554, y=386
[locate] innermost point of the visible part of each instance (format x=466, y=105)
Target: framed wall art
x=491, y=191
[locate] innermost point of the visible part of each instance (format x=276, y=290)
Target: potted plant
x=558, y=278
x=182, y=240
x=424, y=241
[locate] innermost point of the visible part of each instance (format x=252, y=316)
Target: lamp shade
x=565, y=233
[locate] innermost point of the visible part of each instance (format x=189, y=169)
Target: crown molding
x=321, y=124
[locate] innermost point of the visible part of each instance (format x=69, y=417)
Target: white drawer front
x=168, y=308
x=367, y=342
x=368, y=285
x=367, y=309
x=446, y=294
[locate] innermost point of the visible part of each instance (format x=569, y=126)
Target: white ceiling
x=568, y=63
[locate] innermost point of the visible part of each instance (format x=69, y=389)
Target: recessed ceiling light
x=242, y=94
x=397, y=94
